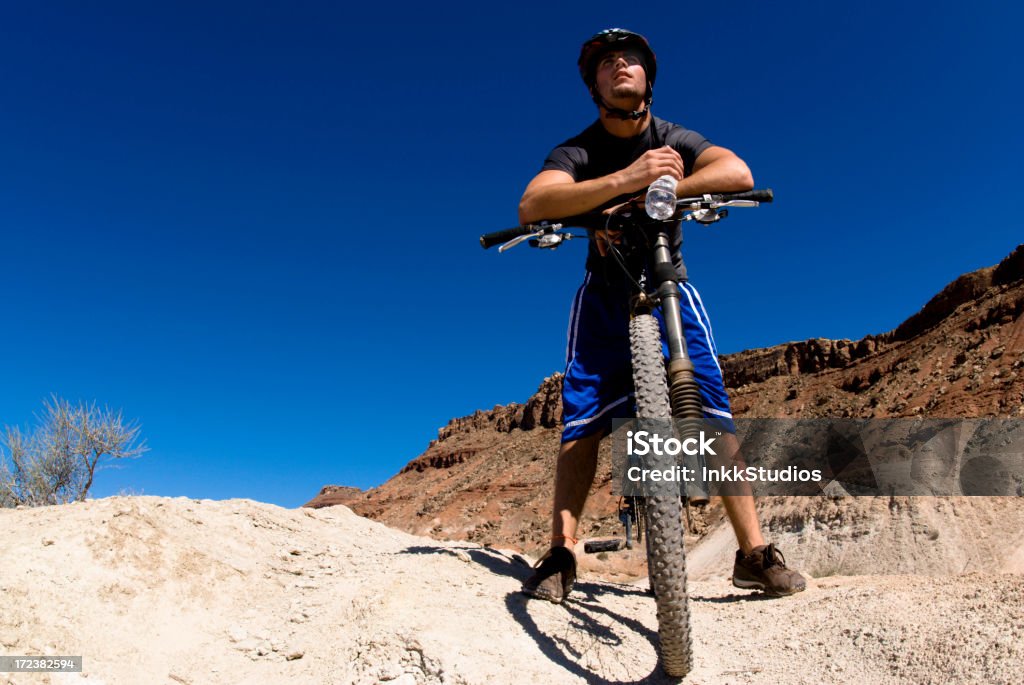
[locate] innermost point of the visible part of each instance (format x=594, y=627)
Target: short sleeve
x=568, y=158
x=689, y=144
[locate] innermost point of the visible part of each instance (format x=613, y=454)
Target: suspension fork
x=666, y=279
x=684, y=394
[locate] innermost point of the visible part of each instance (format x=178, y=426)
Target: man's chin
x=624, y=96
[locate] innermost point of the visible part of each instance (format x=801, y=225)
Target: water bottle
x=661, y=198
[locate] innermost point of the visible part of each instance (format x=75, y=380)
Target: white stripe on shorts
x=717, y=412
x=574, y=324
x=707, y=334
x=581, y=422
x=707, y=318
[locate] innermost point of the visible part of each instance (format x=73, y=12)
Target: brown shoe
x=554, y=577
x=765, y=569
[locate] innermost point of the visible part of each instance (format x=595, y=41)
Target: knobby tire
x=666, y=557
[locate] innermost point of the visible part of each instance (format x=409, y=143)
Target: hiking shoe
x=765, y=569
x=554, y=577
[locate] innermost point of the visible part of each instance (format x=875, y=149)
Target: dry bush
x=56, y=462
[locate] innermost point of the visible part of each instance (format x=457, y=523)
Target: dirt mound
x=182, y=591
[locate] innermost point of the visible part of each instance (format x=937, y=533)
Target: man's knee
x=581, y=448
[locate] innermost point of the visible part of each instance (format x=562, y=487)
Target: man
x=614, y=159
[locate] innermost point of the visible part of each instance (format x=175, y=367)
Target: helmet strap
x=618, y=112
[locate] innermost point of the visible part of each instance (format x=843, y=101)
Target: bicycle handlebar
x=596, y=220
x=765, y=195
x=489, y=240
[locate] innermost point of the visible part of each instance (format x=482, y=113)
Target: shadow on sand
x=584, y=611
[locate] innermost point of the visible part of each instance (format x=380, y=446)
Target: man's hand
x=651, y=166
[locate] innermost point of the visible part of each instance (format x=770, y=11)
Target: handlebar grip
x=765, y=195
x=491, y=239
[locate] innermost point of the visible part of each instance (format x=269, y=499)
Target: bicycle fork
x=684, y=395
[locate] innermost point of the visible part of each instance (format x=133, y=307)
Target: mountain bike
x=664, y=389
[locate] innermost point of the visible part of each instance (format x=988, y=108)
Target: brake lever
x=515, y=241
x=543, y=229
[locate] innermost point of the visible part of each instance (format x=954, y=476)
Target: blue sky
x=253, y=226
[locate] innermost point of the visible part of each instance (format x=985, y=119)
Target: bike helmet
x=617, y=39
x=614, y=39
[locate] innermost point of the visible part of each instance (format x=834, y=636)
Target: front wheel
x=666, y=557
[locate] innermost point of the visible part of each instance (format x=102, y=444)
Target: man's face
x=620, y=74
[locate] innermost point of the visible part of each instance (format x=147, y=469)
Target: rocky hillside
x=488, y=476
x=961, y=355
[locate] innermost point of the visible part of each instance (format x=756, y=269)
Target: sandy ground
x=179, y=591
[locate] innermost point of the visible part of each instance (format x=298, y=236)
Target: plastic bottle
x=661, y=198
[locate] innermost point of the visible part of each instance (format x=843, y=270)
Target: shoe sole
x=536, y=594
x=758, y=585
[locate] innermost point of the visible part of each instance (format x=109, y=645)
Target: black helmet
x=614, y=39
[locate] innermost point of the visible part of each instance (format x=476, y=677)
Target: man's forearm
x=566, y=199
x=729, y=174
x=547, y=200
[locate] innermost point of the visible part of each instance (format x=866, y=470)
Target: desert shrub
x=56, y=461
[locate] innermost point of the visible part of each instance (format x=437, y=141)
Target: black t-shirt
x=595, y=153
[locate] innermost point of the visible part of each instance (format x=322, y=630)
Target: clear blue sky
x=253, y=226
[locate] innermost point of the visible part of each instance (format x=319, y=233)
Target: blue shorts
x=598, y=384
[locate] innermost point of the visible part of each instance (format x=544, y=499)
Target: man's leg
x=757, y=565
x=574, y=474
x=740, y=506
x=596, y=383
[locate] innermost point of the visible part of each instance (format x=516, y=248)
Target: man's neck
x=625, y=128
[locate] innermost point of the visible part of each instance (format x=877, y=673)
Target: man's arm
x=553, y=194
x=716, y=170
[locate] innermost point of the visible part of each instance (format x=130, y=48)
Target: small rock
x=463, y=556
x=404, y=679
x=294, y=654
x=237, y=633
x=47, y=542
x=389, y=672
x=246, y=645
